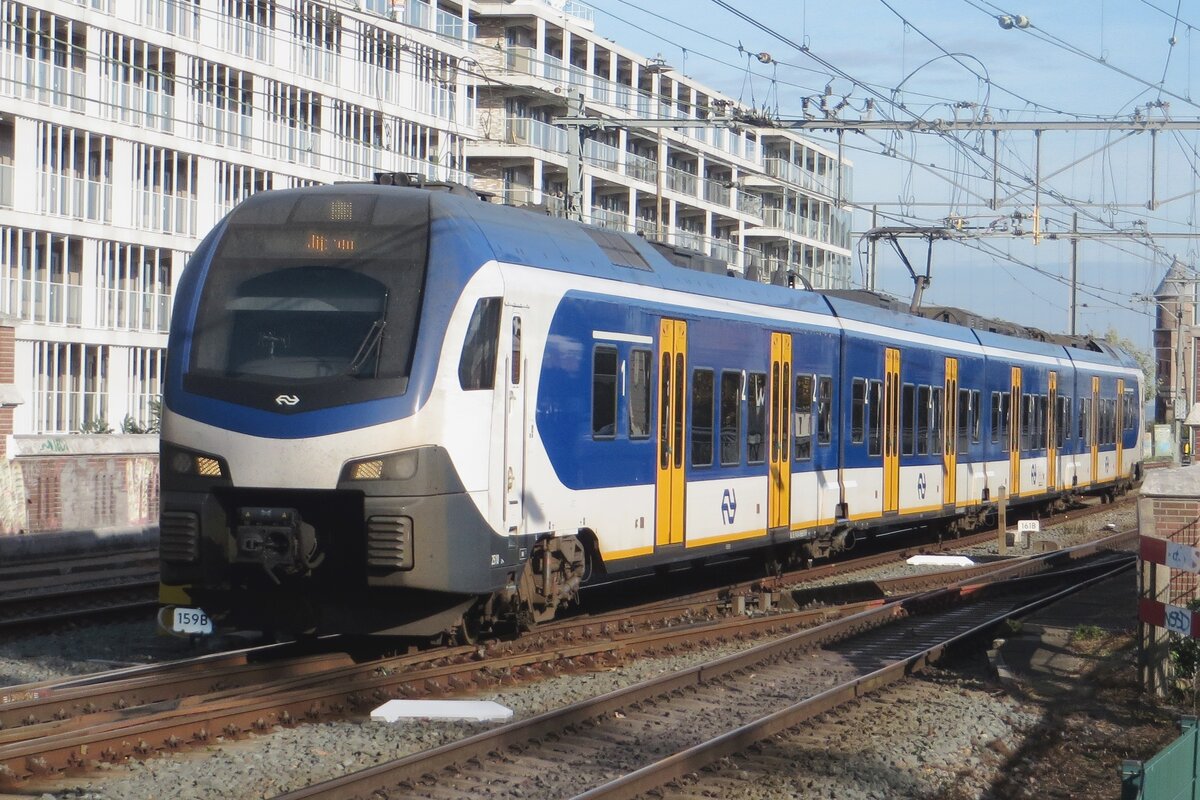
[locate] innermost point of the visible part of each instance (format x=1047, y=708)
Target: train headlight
x=189, y=462
x=389, y=467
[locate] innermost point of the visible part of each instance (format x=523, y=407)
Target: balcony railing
x=295, y=143
x=316, y=62
x=245, y=38
x=716, y=192
x=522, y=130
x=540, y=65
x=223, y=127
x=158, y=211
x=79, y=198
x=136, y=105
x=602, y=155
x=6, y=185
x=641, y=168
x=41, y=82
x=44, y=301
x=133, y=310
x=176, y=17
x=608, y=218
x=680, y=181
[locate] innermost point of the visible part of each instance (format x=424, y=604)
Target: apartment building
x=767, y=201
x=128, y=128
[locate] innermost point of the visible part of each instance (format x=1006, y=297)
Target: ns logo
x=729, y=506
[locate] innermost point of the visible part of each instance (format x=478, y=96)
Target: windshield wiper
x=369, y=343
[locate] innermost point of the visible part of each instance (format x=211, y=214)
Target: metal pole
x=1074, y=264
x=575, y=132
x=1153, y=204
x=873, y=243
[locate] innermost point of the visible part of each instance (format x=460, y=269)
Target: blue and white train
x=402, y=410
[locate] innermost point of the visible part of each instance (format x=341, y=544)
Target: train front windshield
x=312, y=295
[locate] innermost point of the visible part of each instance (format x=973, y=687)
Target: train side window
x=477, y=363
x=976, y=413
x=996, y=417
x=824, y=410
x=874, y=414
x=756, y=417
x=1042, y=420
x=702, y=417
x=1084, y=430
x=639, y=394
x=1026, y=421
x=963, y=420
x=731, y=418
x=803, y=423
x=604, y=392
x=858, y=410
x=515, y=372
x=1063, y=421
x=922, y=420
x=907, y=402
x=1005, y=400
x=937, y=427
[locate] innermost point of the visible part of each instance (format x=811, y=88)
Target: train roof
x=524, y=236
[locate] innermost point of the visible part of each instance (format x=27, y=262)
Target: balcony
x=136, y=105
x=78, y=198
x=608, y=218
x=540, y=65
x=641, y=168
x=6, y=185
x=716, y=192
x=133, y=310
x=535, y=133
x=158, y=211
x=245, y=38
x=41, y=81
x=176, y=17
x=602, y=155
x=679, y=181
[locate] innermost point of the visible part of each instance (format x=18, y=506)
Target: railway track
x=36, y=594
x=628, y=743
x=54, y=728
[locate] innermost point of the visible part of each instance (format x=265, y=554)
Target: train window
x=824, y=410
x=702, y=417
x=477, y=364
x=1063, y=421
x=922, y=420
x=731, y=418
x=639, y=394
x=756, y=417
x=604, y=392
x=976, y=413
x=516, y=350
x=907, y=403
x=1027, y=421
x=1084, y=429
x=1130, y=411
x=664, y=411
x=996, y=417
x=937, y=426
x=1005, y=402
x=858, y=410
x=802, y=425
x=677, y=378
x=964, y=419
x=874, y=414
x=1042, y=421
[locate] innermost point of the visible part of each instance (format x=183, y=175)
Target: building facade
x=128, y=128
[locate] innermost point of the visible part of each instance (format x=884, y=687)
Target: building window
x=379, y=68
x=165, y=191
x=41, y=276
x=177, y=17
x=223, y=101
x=360, y=136
x=70, y=387
x=134, y=287
x=147, y=366
x=318, y=41
x=137, y=82
x=293, y=123
x=236, y=182
x=74, y=173
x=48, y=57
x=246, y=28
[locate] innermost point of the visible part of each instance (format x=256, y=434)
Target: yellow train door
x=1119, y=426
x=950, y=435
x=1052, y=434
x=779, y=492
x=672, y=374
x=891, y=430
x=1094, y=433
x=1014, y=434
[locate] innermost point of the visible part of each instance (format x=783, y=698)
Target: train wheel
x=468, y=628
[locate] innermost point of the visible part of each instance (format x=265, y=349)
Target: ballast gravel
x=946, y=734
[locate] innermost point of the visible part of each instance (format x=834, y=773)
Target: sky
x=1098, y=61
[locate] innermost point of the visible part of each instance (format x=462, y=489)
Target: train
x=403, y=410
